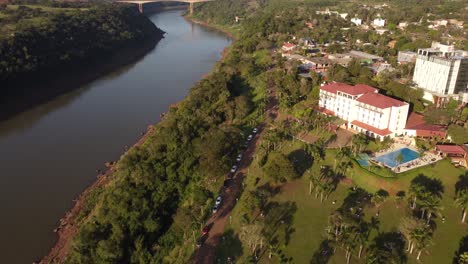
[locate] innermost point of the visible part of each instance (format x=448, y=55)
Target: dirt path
x=206, y=253
x=68, y=227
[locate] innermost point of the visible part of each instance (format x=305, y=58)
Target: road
x=206, y=253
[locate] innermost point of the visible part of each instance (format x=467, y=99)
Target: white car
x=218, y=200
x=239, y=158
x=249, y=137
x=215, y=208
x=234, y=169
x=255, y=130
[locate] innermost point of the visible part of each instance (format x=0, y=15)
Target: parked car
x=205, y=230
x=234, y=169
x=218, y=200
x=201, y=240
x=239, y=158
x=215, y=208
x=249, y=137
x=255, y=130
x=246, y=144
x=227, y=183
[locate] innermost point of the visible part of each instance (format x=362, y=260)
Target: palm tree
x=416, y=191
x=422, y=238
x=349, y=242
x=399, y=159
x=407, y=226
x=432, y=206
x=343, y=167
x=461, y=201
x=342, y=153
x=463, y=258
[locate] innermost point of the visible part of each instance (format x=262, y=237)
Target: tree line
x=68, y=41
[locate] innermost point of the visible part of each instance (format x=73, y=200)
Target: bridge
x=141, y=2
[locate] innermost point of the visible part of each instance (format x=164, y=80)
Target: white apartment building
x=364, y=109
x=442, y=72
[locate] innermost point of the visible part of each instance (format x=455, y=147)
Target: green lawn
x=311, y=217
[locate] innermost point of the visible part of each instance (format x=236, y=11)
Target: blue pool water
x=390, y=158
x=363, y=159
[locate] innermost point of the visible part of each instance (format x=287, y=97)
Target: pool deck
x=426, y=159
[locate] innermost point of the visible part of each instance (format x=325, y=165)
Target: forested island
x=48, y=47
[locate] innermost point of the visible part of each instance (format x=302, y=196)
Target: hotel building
x=364, y=109
x=442, y=72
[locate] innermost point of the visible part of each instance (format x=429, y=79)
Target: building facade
x=442, y=72
x=364, y=110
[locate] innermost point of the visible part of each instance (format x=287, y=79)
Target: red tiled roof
x=289, y=45
x=451, y=149
x=379, y=100
x=349, y=89
x=326, y=111
x=378, y=131
x=416, y=122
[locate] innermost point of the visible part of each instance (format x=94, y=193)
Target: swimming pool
x=363, y=159
x=390, y=159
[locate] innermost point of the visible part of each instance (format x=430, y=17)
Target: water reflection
x=49, y=154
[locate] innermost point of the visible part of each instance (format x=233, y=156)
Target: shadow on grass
x=279, y=220
x=388, y=247
x=301, y=160
x=323, y=254
x=230, y=247
x=462, y=249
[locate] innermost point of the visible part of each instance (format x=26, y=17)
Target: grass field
x=311, y=216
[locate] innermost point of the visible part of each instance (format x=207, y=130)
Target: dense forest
x=42, y=42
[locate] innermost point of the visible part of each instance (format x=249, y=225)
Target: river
x=50, y=153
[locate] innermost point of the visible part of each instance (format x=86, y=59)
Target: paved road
x=206, y=253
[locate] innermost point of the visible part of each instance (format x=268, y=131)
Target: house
x=381, y=31
x=341, y=59
x=320, y=63
x=356, y=21
x=406, y=56
x=365, y=56
x=402, y=25
x=326, y=12
x=456, y=23
x=288, y=47
x=417, y=127
x=379, y=67
x=439, y=22
x=378, y=22
x=363, y=109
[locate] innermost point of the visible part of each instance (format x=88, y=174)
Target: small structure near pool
x=457, y=154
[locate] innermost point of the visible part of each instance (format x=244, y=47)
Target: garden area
x=294, y=219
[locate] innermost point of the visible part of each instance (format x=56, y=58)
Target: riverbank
x=212, y=26
x=69, y=227
x=45, y=90
x=69, y=224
